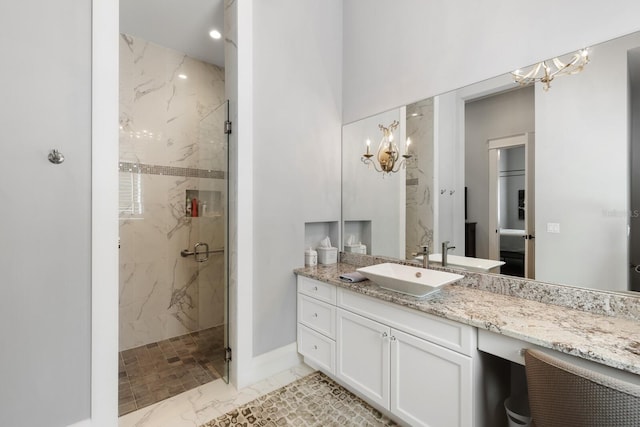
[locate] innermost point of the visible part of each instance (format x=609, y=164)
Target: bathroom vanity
x=428, y=361
x=374, y=347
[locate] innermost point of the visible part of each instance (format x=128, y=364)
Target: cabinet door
x=430, y=385
x=363, y=356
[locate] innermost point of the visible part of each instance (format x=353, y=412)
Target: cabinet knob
x=393, y=338
x=315, y=288
x=315, y=347
x=384, y=335
x=315, y=314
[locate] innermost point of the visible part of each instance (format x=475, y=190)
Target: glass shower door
x=206, y=207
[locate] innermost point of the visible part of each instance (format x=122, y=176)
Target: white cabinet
x=363, y=356
x=317, y=348
x=430, y=385
x=416, y=366
x=317, y=323
x=317, y=315
x=422, y=383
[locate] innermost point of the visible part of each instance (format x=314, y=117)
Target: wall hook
x=56, y=157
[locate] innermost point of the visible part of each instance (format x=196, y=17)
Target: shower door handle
x=200, y=255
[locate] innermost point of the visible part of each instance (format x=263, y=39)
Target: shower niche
x=203, y=203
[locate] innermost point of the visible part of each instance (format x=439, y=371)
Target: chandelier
x=388, y=153
x=546, y=71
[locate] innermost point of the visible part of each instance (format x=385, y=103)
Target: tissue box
x=356, y=249
x=327, y=255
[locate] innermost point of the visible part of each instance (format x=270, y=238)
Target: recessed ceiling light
x=215, y=34
x=182, y=76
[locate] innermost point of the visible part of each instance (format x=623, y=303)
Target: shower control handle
x=55, y=156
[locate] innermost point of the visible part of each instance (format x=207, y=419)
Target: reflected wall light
x=546, y=71
x=388, y=153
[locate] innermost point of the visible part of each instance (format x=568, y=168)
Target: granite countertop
x=608, y=340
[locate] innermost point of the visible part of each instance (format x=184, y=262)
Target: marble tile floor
x=204, y=403
x=157, y=371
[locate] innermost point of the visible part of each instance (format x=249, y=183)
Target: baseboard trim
x=83, y=423
x=268, y=364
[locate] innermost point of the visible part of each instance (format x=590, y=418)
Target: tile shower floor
x=157, y=371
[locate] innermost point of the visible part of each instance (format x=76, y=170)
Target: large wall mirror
x=542, y=180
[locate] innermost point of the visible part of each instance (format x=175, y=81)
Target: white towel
x=352, y=277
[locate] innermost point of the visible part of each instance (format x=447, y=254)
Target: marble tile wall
x=419, y=216
x=172, y=112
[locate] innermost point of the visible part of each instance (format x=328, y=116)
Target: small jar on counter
x=310, y=257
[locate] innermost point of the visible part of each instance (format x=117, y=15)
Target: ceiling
x=182, y=25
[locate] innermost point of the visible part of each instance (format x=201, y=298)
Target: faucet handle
x=445, y=246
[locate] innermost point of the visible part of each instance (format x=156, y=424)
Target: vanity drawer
x=449, y=334
x=317, y=348
x=502, y=346
x=316, y=289
x=317, y=315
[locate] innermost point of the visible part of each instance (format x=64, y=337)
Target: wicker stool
x=564, y=394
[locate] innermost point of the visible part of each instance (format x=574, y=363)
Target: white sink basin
x=480, y=265
x=409, y=280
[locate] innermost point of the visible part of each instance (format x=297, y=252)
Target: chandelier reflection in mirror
x=546, y=71
x=388, y=153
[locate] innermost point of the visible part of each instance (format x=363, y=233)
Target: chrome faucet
x=425, y=255
x=445, y=250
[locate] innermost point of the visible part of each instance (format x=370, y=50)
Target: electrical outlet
x=553, y=227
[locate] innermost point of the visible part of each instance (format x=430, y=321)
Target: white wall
x=45, y=243
x=297, y=117
x=582, y=172
x=460, y=42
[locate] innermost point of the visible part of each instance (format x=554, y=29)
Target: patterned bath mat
x=314, y=400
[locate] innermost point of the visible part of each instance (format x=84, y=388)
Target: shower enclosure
x=173, y=223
